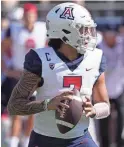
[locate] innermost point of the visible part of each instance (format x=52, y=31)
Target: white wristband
x=102, y=110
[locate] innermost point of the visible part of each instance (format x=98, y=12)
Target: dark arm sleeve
x=33, y=63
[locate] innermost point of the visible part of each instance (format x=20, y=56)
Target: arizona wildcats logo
x=52, y=65
x=68, y=13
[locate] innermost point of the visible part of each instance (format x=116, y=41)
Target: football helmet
x=72, y=24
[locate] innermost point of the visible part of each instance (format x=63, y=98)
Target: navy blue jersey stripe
x=72, y=65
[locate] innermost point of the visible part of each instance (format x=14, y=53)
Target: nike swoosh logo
x=87, y=69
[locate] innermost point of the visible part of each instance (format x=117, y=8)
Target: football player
x=71, y=61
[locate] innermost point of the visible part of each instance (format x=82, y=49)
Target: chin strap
x=102, y=110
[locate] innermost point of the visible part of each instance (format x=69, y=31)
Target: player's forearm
x=25, y=107
x=19, y=103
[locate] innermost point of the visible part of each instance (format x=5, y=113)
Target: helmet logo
x=68, y=13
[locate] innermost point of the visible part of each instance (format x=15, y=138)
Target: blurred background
x=23, y=27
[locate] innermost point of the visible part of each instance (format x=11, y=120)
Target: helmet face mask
x=87, y=37
x=79, y=32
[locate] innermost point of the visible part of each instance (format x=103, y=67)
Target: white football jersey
x=23, y=41
x=59, y=78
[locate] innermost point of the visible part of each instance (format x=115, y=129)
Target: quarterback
x=71, y=61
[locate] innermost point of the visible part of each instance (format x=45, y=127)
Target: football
x=70, y=116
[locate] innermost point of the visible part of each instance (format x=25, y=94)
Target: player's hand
x=88, y=108
x=56, y=103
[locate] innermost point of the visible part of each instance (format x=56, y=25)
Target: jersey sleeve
x=33, y=63
x=102, y=67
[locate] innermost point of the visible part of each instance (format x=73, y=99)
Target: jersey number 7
x=76, y=81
